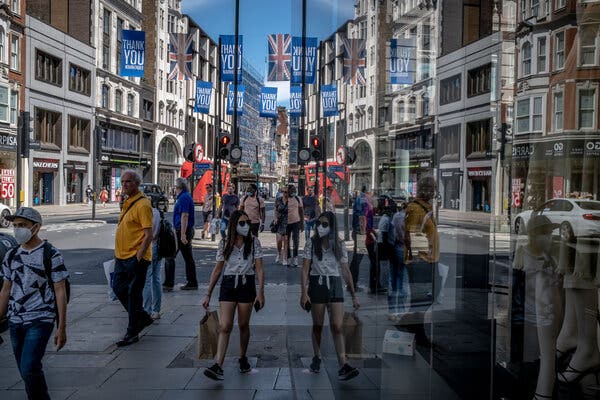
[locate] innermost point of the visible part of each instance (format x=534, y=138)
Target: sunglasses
x=242, y=223
x=324, y=224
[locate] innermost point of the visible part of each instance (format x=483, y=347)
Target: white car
x=577, y=217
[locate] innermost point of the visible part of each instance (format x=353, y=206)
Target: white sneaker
x=284, y=262
x=155, y=315
x=295, y=261
x=277, y=259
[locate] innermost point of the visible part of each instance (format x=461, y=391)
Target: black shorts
x=320, y=294
x=206, y=216
x=243, y=293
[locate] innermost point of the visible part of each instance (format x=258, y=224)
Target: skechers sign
x=329, y=100
x=228, y=55
x=402, y=61
x=311, y=60
x=268, y=102
x=240, y=99
x=203, y=93
x=133, y=53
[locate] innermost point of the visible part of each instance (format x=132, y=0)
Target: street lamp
x=346, y=180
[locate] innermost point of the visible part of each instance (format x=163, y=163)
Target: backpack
x=47, y=257
x=167, y=240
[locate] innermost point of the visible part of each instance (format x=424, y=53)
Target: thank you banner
x=402, y=61
x=329, y=100
x=133, y=53
x=268, y=102
x=228, y=54
x=295, y=101
x=240, y=99
x=203, y=93
x=311, y=59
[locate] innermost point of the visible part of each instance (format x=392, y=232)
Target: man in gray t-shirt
x=33, y=299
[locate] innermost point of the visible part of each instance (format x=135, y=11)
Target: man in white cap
x=34, y=294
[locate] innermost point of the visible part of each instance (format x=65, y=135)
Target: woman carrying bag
x=325, y=262
x=239, y=258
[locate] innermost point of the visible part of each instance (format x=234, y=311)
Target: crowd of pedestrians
x=35, y=289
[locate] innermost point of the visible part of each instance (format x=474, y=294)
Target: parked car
x=157, y=196
x=4, y=212
x=263, y=192
x=577, y=217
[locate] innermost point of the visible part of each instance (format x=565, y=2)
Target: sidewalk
x=163, y=365
x=77, y=209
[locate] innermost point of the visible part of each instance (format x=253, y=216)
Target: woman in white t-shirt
x=239, y=258
x=325, y=262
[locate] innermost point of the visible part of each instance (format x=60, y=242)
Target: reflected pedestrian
x=325, y=262
x=33, y=301
x=254, y=206
x=294, y=224
x=103, y=196
x=239, y=259
x=310, y=206
x=133, y=255
x=229, y=203
x=207, y=207
x=152, y=291
x=183, y=221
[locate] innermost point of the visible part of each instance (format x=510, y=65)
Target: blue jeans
x=29, y=345
x=128, y=285
x=308, y=227
x=398, y=285
x=224, y=223
x=152, y=289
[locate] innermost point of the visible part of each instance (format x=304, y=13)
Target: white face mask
x=23, y=235
x=322, y=231
x=243, y=230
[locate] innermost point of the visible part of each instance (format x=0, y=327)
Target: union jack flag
x=181, y=56
x=280, y=57
x=355, y=61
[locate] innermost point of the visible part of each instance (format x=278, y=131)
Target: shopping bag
x=352, y=334
x=208, y=335
x=109, y=273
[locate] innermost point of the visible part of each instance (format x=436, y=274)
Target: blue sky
x=258, y=18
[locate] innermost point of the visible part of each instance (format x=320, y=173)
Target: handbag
x=208, y=335
x=352, y=327
x=109, y=273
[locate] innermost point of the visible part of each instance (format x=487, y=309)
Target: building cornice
x=126, y=9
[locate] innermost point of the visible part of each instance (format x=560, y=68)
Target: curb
x=90, y=221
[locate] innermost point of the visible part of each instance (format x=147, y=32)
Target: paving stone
x=263, y=378
x=59, y=378
x=116, y=393
x=151, y=378
x=79, y=360
x=225, y=394
x=9, y=375
x=21, y=394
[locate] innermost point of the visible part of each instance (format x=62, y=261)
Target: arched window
x=364, y=156
x=370, y=118
x=181, y=119
x=2, y=45
x=425, y=108
x=161, y=112
x=526, y=59
x=167, y=152
x=412, y=109
x=130, y=100
x=350, y=123
x=400, y=111
x=105, y=97
x=118, y=100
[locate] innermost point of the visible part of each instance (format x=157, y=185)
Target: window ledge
x=49, y=146
x=81, y=150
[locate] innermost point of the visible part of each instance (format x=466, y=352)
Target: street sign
x=7, y=184
x=257, y=168
x=199, y=153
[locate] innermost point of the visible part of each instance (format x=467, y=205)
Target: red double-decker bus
x=337, y=177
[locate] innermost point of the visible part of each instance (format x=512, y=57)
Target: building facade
x=60, y=96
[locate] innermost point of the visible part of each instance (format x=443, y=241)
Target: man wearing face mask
x=34, y=294
x=229, y=203
x=254, y=206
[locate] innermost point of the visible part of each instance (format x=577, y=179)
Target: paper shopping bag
x=352, y=334
x=109, y=272
x=208, y=335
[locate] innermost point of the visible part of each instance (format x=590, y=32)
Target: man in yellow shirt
x=133, y=255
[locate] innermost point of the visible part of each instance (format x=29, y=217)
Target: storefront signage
x=77, y=166
x=7, y=184
x=449, y=173
x=8, y=141
x=479, y=172
x=560, y=148
x=45, y=164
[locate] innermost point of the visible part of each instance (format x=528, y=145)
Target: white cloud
x=283, y=92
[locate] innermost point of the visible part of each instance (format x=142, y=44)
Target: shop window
x=147, y=143
x=558, y=106
x=15, y=52
x=479, y=80
x=588, y=44
x=48, y=127
x=479, y=138
x=450, y=90
x=48, y=68
x=541, y=55
x=167, y=152
x=79, y=79
x=118, y=100
x=587, y=108
x=526, y=59
x=450, y=143
x=559, y=50
x=79, y=134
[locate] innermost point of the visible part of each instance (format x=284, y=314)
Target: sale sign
x=7, y=184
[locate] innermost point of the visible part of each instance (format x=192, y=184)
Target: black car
x=156, y=195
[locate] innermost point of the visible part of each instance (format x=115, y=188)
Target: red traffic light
x=316, y=142
x=225, y=139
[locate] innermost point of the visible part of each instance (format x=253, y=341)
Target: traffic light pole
x=236, y=61
x=318, y=128
x=216, y=132
x=300, y=125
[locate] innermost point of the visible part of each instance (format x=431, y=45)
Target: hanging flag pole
x=236, y=133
